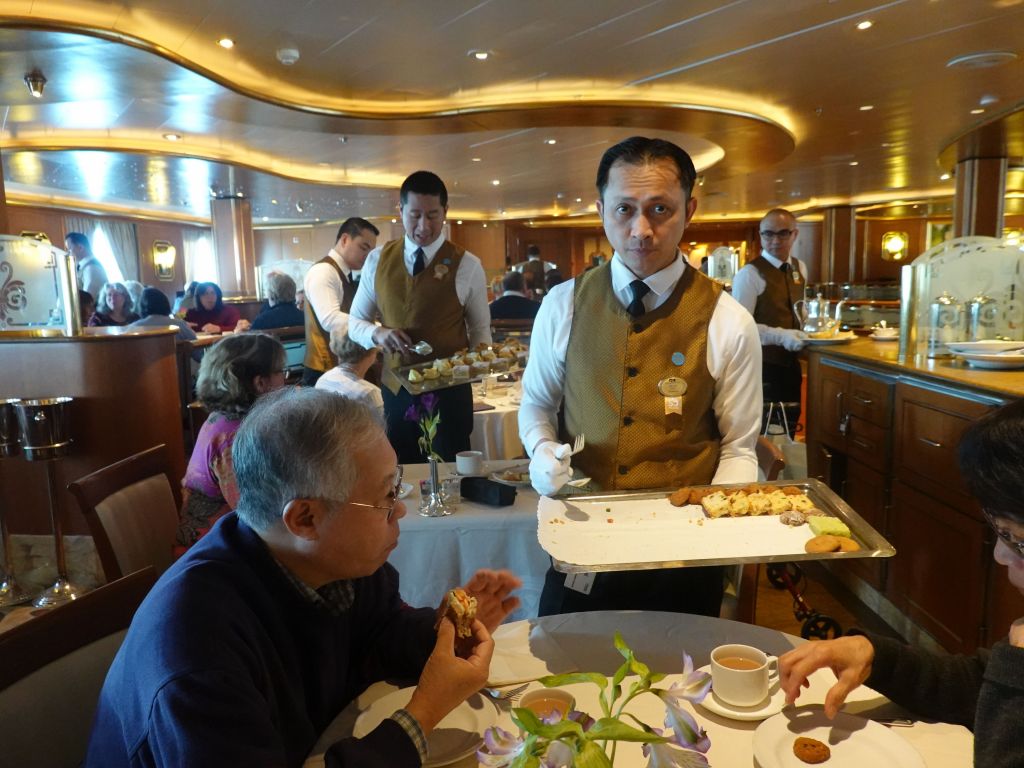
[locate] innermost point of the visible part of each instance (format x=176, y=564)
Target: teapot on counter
x=816, y=315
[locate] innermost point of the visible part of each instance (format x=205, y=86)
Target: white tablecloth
x=435, y=554
x=496, y=432
x=584, y=641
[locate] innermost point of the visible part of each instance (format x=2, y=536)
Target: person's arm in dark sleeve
x=998, y=727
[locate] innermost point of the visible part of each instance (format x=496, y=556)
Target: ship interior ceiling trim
x=319, y=113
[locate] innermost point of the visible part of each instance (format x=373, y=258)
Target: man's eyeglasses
x=1005, y=536
x=392, y=497
x=782, y=234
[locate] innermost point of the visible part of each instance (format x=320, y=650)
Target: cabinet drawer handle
x=932, y=443
x=862, y=443
x=863, y=400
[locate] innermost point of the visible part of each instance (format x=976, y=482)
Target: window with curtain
x=114, y=243
x=200, y=264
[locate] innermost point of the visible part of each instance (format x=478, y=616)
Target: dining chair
x=53, y=669
x=740, y=600
x=131, y=508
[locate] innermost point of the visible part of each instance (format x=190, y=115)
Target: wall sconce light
x=164, y=255
x=41, y=237
x=36, y=81
x=895, y=245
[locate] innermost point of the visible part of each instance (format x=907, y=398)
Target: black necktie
x=784, y=267
x=636, y=306
x=420, y=264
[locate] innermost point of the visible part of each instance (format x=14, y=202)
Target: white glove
x=549, y=467
x=792, y=340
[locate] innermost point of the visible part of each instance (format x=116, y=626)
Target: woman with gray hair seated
x=234, y=373
x=348, y=378
x=113, y=306
x=282, y=311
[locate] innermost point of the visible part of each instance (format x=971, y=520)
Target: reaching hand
x=849, y=658
x=447, y=680
x=491, y=590
x=1017, y=633
x=550, y=468
x=242, y=325
x=211, y=328
x=392, y=339
x=793, y=340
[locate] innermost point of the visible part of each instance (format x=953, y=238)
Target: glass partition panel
x=30, y=283
x=294, y=268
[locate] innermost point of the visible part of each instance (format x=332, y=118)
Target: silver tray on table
x=638, y=530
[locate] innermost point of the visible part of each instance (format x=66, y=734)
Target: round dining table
x=496, y=419
x=527, y=650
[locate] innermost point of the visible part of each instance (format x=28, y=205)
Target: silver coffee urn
x=982, y=318
x=945, y=324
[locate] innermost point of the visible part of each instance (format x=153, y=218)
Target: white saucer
x=875, y=337
x=772, y=705
x=404, y=491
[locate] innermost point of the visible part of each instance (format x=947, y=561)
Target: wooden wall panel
x=487, y=241
x=149, y=231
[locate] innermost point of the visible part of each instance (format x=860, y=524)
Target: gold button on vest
x=613, y=366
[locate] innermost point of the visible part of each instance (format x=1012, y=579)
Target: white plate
x=1005, y=361
x=404, y=489
x=876, y=337
x=457, y=736
x=772, y=704
x=523, y=470
x=854, y=741
x=985, y=347
x=842, y=338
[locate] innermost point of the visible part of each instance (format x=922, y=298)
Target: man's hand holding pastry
x=550, y=468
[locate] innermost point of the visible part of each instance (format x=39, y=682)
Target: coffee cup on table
x=469, y=462
x=742, y=675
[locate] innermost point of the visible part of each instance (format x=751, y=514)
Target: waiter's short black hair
x=78, y=239
x=991, y=457
x=640, y=150
x=424, y=183
x=354, y=226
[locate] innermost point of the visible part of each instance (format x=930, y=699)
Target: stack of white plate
x=1000, y=355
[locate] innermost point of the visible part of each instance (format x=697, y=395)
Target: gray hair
x=135, y=289
x=280, y=288
x=101, y=301
x=229, y=367
x=298, y=443
x=346, y=350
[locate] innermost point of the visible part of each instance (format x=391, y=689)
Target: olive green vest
x=613, y=366
x=774, y=306
x=425, y=306
x=318, y=339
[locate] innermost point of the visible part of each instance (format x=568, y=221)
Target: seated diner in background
x=514, y=304
x=985, y=691
x=114, y=307
x=211, y=314
x=86, y=306
x=155, y=311
x=348, y=377
x=250, y=645
x=234, y=373
x=281, y=310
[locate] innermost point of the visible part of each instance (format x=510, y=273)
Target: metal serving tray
x=639, y=530
x=400, y=377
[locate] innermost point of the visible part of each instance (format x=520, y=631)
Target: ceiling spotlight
x=866, y=107
x=945, y=177
x=479, y=54
x=495, y=182
x=172, y=136
x=266, y=218
x=35, y=82
x=274, y=202
x=866, y=24
x=476, y=159
x=459, y=221
x=579, y=199
x=226, y=42
x=977, y=111
x=394, y=221
x=287, y=56
x=550, y=141
x=854, y=162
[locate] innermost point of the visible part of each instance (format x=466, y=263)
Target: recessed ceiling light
x=866, y=107
x=945, y=177
x=476, y=159
x=172, y=136
x=550, y=141
x=579, y=199
x=495, y=182
x=226, y=42
x=982, y=59
x=977, y=110
x=778, y=181
x=459, y=221
x=394, y=221
x=266, y=218
x=854, y=162
x=274, y=202
x=866, y=24
x=479, y=54
x=485, y=225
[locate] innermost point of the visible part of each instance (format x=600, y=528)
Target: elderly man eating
x=251, y=643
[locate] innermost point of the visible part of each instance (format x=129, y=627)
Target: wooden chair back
x=131, y=508
x=770, y=458
x=53, y=669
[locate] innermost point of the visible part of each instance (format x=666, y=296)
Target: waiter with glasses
x=768, y=287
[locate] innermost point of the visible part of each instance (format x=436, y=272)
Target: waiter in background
x=424, y=288
x=768, y=287
x=653, y=363
x=330, y=289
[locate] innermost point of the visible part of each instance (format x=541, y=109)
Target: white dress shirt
x=734, y=361
x=324, y=291
x=749, y=283
x=470, y=288
x=344, y=381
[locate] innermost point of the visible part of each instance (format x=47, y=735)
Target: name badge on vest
x=672, y=388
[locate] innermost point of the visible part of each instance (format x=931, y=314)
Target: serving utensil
x=506, y=694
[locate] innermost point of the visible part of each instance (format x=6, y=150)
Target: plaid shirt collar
x=335, y=597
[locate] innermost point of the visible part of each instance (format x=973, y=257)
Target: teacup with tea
x=742, y=675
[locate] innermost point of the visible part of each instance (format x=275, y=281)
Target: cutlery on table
x=506, y=694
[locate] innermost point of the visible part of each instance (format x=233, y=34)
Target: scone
x=779, y=502
x=801, y=503
x=739, y=505
x=760, y=504
x=715, y=504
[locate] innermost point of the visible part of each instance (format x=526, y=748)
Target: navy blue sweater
x=227, y=664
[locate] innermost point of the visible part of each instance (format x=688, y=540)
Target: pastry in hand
x=460, y=608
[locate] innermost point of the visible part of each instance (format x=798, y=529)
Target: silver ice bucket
x=8, y=429
x=44, y=427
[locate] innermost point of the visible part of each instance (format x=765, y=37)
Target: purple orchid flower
x=668, y=755
x=500, y=748
x=429, y=402
x=412, y=413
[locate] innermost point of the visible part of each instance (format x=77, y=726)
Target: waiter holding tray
x=651, y=362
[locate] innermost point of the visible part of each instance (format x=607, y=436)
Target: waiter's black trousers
x=781, y=384
x=455, y=405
